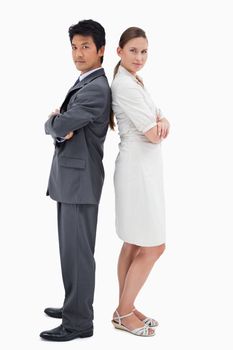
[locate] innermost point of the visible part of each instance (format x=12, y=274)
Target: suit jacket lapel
x=79, y=85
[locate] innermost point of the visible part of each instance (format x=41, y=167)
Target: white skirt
x=139, y=194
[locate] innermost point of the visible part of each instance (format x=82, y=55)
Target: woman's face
x=134, y=54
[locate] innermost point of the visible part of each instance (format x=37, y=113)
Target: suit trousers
x=77, y=233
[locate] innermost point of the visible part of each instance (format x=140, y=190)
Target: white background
x=189, y=74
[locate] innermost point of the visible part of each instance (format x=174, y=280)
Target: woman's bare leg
x=135, y=277
x=127, y=255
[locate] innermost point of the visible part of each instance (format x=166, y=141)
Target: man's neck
x=85, y=74
x=90, y=70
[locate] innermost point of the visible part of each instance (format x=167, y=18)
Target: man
x=76, y=179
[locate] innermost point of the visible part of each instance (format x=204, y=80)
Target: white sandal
x=150, y=322
x=142, y=331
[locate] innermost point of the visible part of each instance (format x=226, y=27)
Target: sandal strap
x=141, y=331
x=119, y=318
x=150, y=322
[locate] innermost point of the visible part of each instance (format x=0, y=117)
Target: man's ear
x=101, y=51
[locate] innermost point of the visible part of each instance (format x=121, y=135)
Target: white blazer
x=132, y=105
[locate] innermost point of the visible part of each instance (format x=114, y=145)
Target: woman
x=138, y=181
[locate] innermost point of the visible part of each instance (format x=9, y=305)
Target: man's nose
x=78, y=52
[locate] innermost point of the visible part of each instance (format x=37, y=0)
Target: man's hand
x=69, y=135
x=163, y=127
x=57, y=111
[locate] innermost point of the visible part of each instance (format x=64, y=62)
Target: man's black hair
x=91, y=28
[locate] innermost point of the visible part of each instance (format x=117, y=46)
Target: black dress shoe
x=62, y=334
x=53, y=312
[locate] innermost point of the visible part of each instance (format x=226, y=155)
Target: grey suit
x=77, y=171
x=75, y=182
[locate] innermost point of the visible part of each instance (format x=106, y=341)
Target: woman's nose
x=139, y=58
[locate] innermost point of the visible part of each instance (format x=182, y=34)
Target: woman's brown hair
x=127, y=35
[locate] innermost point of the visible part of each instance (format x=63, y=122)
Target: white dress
x=138, y=176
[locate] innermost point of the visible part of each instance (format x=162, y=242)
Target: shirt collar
x=84, y=75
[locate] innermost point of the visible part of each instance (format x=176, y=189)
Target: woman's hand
x=163, y=127
x=153, y=135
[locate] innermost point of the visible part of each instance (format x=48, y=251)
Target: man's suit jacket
x=77, y=172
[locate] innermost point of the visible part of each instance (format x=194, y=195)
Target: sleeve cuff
x=149, y=127
x=60, y=139
x=160, y=113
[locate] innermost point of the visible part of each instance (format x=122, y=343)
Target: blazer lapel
x=79, y=85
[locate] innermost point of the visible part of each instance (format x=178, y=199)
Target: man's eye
x=73, y=48
x=85, y=47
x=144, y=51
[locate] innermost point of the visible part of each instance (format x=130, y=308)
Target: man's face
x=84, y=53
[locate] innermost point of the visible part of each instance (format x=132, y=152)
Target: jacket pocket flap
x=72, y=162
